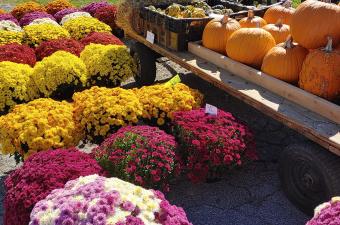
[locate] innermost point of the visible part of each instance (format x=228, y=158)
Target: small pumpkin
x=279, y=31
x=320, y=72
x=250, y=45
x=284, y=61
x=313, y=21
x=252, y=21
x=283, y=12
x=217, y=32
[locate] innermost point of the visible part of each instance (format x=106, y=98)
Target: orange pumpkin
x=279, y=31
x=217, y=32
x=284, y=61
x=252, y=21
x=283, y=12
x=320, y=72
x=313, y=21
x=250, y=45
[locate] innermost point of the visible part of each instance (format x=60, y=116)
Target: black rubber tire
x=146, y=64
x=309, y=174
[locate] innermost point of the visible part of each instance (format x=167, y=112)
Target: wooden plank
x=315, y=127
x=314, y=103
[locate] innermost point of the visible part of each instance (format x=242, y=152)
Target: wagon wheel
x=309, y=175
x=145, y=59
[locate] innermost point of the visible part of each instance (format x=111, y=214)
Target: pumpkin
x=252, y=21
x=249, y=45
x=217, y=32
x=279, y=31
x=313, y=21
x=320, y=72
x=283, y=12
x=284, y=61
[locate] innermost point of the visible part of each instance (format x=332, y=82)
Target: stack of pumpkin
x=312, y=61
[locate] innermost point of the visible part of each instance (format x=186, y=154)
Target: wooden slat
x=314, y=103
x=313, y=126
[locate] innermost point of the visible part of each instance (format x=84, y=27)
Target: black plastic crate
x=173, y=33
x=240, y=10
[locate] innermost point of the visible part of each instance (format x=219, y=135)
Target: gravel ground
x=248, y=196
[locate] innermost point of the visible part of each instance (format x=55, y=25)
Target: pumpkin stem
x=287, y=4
x=329, y=47
x=225, y=19
x=279, y=23
x=251, y=14
x=289, y=42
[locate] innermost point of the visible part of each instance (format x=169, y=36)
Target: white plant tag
x=150, y=37
x=211, y=110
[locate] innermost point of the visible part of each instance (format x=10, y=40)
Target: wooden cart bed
x=313, y=117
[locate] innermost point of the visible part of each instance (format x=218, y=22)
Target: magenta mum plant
x=39, y=175
x=96, y=200
x=30, y=17
x=210, y=145
x=142, y=155
x=327, y=213
x=59, y=15
x=10, y=17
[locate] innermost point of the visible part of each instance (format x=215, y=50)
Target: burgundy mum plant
x=210, y=145
x=94, y=6
x=17, y=53
x=101, y=38
x=39, y=175
x=142, y=155
x=47, y=48
x=107, y=15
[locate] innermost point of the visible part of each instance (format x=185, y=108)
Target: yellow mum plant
x=108, y=65
x=8, y=37
x=101, y=111
x=21, y=9
x=38, y=126
x=16, y=85
x=37, y=33
x=161, y=101
x=60, y=75
x=80, y=27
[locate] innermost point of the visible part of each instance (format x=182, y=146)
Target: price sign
x=150, y=37
x=175, y=80
x=211, y=110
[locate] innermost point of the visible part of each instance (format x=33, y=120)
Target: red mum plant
x=101, y=38
x=17, y=53
x=39, y=175
x=107, y=15
x=142, y=155
x=212, y=144
x=47, y=48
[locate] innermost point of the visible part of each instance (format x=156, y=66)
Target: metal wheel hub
x=307, y=180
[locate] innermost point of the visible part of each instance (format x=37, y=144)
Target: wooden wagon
x=309, y=171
